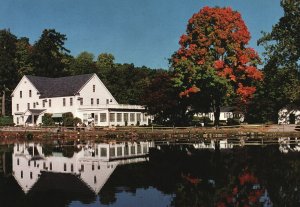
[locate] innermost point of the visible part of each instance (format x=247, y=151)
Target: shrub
x=68, y=119
x=47, y=120
x=77, y=120
x=6, y=121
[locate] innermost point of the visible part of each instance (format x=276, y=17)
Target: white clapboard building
x=83, y=95
x=91, y=166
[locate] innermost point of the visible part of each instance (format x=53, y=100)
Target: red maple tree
x=214, y=58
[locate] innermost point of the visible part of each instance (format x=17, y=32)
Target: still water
x=224, y=173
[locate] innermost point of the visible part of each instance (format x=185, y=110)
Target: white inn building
x=83, y=95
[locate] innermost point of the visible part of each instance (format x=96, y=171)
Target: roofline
x=24, y=76
x=94, y=74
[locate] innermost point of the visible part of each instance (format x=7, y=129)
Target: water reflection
x=227, y=172
x=91, y=165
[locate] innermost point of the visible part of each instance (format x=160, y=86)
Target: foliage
x=6, y=121
x=214, y=60
x=162, y=101
x=83, y=64
x=77, y=120
x=7, y=59
x=68, y=119
x=23, y=57
x=49, y=54
x=105, y=61
x=47, y=120
x=281, y=85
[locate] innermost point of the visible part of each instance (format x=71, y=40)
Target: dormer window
x=30, y=93
x=64, y=102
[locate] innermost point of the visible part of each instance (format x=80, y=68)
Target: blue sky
x=143, y=32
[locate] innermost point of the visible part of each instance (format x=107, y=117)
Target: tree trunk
x=3, y=103
x=217, y=116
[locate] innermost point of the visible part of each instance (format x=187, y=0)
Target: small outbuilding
x=289, y=115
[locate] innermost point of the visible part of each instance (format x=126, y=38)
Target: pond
x=206, y=173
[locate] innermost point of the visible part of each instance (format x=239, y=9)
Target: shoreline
x=146, y=133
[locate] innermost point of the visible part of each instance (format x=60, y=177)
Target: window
x=132, y=149
x=112, y=117
x=49, y=102
x=102, y=117
x=119, y=117
x=81, y=101
x=44, y=165
x=44, y=103
x=82, y=168
x=34, y=105
x=50, y=166
x=103, y=152
x=30, y=175
x=94, y=88
x=95, y=179
x=126, y=150
x=18, y=161
x=93, y=167
x=92, y=101
x=72, y=168
x=30, y=93
x=126, y=117
x=119, y=151
x=65, y=167
x=138, y=117
x=71, y=101
x=139, y=149
x=28, y=105
x=97, y=101
x=21, y=173
x=107, y=101
x=132, y=117
x=112, y=152
x=20, y=94
x=96, y=118
x=64, y=101
x=17, y=107
x=28, y=162
x=17, y=120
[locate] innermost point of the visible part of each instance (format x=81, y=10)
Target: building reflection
x=90, y=165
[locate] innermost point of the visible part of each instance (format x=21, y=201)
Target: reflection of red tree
x=191, y=179
x=245, y=193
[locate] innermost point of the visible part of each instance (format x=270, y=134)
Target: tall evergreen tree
x=49, y=54
x=8, y=67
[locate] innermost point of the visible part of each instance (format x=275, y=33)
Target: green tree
x=23, y=57
x=105, y=60
x=49, y=54
x=83, y=64
x=161, y=99
x=214, y=59
x=281, y=84
x=8, y=66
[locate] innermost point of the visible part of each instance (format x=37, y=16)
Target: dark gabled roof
x=58, y=87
